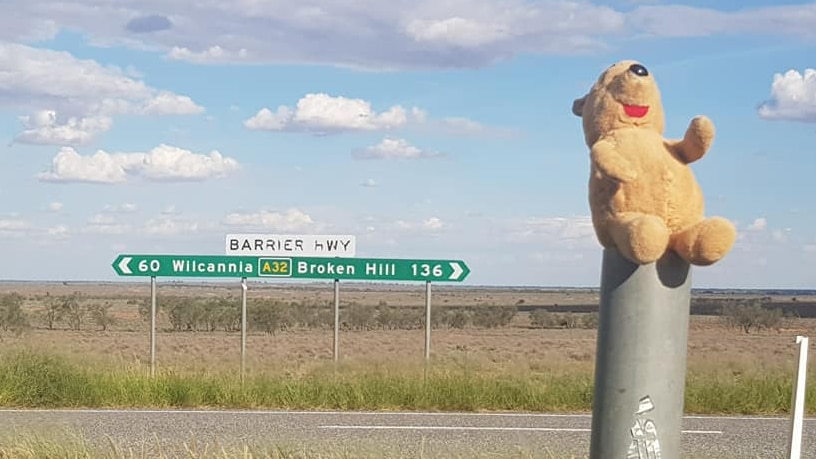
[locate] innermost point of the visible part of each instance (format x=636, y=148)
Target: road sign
x=364, y=269
x=297, y=245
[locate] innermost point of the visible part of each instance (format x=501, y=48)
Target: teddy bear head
x=625, y=95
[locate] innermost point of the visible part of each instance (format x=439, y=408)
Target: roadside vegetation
x=489, y=357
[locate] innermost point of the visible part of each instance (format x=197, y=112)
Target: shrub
x=12, y=317
x=493, y=316
x=752, y=315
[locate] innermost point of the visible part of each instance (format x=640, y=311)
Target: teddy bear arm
x=696, y=142
x=611, y=163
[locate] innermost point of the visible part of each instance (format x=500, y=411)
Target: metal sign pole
x=243, y=325
x=427, y=320
x=641, y=358
x=152, y=326
x=336, y=347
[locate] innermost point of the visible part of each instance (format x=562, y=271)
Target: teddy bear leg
x=639, y=237
x=706, y=242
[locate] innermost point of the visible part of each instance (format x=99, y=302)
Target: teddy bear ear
x=578, y=106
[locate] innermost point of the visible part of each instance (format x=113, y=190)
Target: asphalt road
x=395, y=434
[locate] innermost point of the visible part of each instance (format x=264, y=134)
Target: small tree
x=751, y=316
x=53, y=311
x=100, y=314
x=12, y=317
x=74, y=309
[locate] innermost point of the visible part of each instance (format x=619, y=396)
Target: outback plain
x=492, y=348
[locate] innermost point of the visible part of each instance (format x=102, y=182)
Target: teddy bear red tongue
x=636, y=111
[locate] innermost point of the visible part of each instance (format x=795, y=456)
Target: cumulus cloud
x=163, y=163
x=369, y=183
x=392, y=148
x=290, y=220
x=69, y=100
x=793, y=97
x=44, y=127
x=55, y=206
x=324, y=113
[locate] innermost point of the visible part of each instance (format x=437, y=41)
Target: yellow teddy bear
x=643, y=195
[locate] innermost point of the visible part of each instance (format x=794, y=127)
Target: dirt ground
x=519, y=347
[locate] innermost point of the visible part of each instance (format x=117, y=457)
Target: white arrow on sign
x=123, y=265
x=457, y=270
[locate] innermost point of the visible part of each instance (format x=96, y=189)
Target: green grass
x=43, y=381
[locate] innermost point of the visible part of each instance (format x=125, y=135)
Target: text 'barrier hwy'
x=384, y=269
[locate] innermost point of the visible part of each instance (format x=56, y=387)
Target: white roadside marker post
x=798, y=400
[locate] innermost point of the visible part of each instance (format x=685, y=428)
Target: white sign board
x=301, y=245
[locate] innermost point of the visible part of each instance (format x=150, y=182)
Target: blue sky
x=427, y=129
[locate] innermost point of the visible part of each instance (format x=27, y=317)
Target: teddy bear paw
x=642, y=239
x=706, y=242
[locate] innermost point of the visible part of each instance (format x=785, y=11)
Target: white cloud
x=12, y=227
x=163, y=163
x=573, y=231
x=45, y=127
x=165, y=226
x=690, y=21
x=58, y=232
x=433, y=224
x=758, y=224
x=70, y=101
x=369, y=183
x=168, y=103
x=380, y=35
x=793, y=96
x=125, y=208
x=212, y=54
x=170, y=209
x=428, y=225
x=323, y=113
x=456, y=125
x=55, y=206
x=291, y=220
x=392, y=148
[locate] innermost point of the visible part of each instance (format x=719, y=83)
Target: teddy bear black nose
x=638, y=70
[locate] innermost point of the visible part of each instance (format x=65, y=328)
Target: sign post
x=336, y=345
x=427, y=320
x=152, y=326
x=243, y=325
x=640, y=369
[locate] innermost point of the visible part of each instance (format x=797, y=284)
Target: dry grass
x=711, y=345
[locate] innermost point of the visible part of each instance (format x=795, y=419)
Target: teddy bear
x=643, y=196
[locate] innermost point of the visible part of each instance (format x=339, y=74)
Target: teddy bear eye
x=638, y=70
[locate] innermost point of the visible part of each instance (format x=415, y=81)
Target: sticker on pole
x=645, y=444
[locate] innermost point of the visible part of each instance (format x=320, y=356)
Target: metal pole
x=640, y=368
x=243, y=325
x=336, y=346
x=152, y=326
x=798, y=400
x=427, y=320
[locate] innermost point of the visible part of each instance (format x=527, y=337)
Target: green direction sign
x=383, y=269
